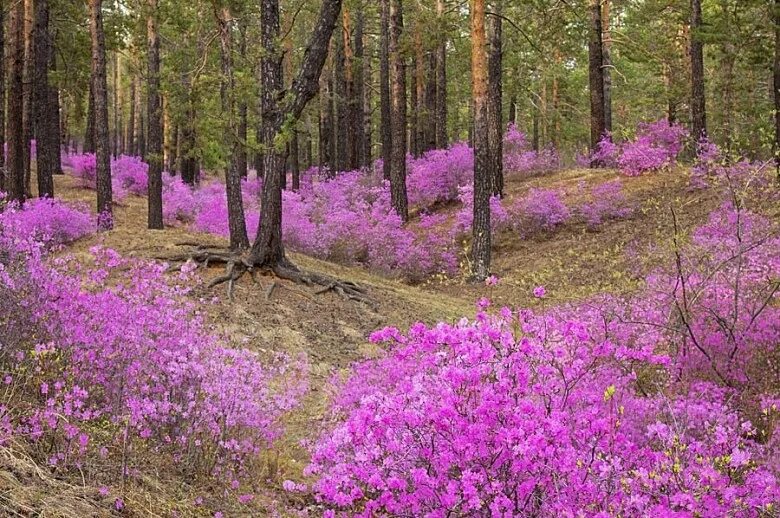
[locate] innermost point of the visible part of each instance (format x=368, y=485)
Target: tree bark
x=243, y=128
x=55, y=120
x=188, y=163
x=430, y=102
x=235, y=203
x=385, y=118
x=2, y=95
x=28, y=116
x=441, y=83
x=14, y=182
x=481, y=238
x=46, y=142
x=295, y=168
x=155, y=122
x=130, y=138
x=358, y=98
x=698, y=107
x=268, y=248
x=777, y=86
x=414, y=105
x=607, y=65
x=341, y=123
x=495, y=103
x=398, y=197
x=596, y=78
x=89, y=127
x=100, y=98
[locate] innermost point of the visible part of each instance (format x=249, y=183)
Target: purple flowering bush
x=520, y=158
x=606, y=202
x=47, y=221
x=626, y=407
x=103, y=368
x=539, y=210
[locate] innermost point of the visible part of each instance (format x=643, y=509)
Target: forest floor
x=572, y=263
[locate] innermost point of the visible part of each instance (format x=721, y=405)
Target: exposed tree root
x=238, y=264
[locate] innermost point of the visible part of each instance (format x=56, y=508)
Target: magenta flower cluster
x=47, y=221
x=614, y=407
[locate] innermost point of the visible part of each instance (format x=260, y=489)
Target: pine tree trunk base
x=238, y=264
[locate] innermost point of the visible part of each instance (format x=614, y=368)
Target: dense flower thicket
x=638, y=407
x=49, y=222
x=105, y=371
x=657, y=145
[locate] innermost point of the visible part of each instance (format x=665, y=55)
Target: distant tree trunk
x=243, y=128
x=236, y=218
x=55, y=120
x=441, y=83
x=295, y=168
x=350, y=103
x=14, y=181
x=115, y=147
x=154, y=120
x=698, y=108
x=481, y=238
x=46, y=141
x=777, y=86
x=130, y=144
x=430, y=103
x=596, y=78
x=512, y=110
x=260, y=153
x=385, y=122
x=89, y=128
x=414, y=147
x=358, y=97
x=140, y=127
x=495, y=103
x=398, y=198
x=325, y=123
x=28, y=117
x=173, y=155
x=188, y=163
x=2, y=95
x=341, y=122
x=367, y=96
x=535, y=131
x=607, y=65
x=268, y=248
x=418, y=85
x=100, y=98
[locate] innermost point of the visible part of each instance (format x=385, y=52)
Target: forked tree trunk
x=481, y=238
x=268, y=249
x=596, y=78
x=495, y=102
x=46, y=141
x=698, y=107
x=235, y=204
x=398, y=198
x=14, y=181
x=100, y=98
x=154, y=118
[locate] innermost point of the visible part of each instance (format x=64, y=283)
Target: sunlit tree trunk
x=481, y=239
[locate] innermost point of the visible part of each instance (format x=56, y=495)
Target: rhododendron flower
x=491, y=281
x=539, y=292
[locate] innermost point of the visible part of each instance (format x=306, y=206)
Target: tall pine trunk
x=130, y=146
x=698, y=107
x=495, y=102
x=100, y=102
x=481, y=238
x=359, y=95
x=154, y=117
x=607, y=64
x=2, y=95
x=385, y=118
x=243, y=128
x=441, y=82
x=398, y=197
x=235, y=204
x=14, y=181
x=28, y=116
x=46, y=141
x=596, y=78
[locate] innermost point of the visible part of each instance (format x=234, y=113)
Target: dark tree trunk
x=777, y=86
x=14, y=182
x=236, y=218
x=494, y=104
x=698, y=108
x=535, y=131
x=2, y=95
x=155, y=121
x=243, y=128
x=441, y=84
x=130, y=144
x=268, y=249
x=512, y=110
x=89, y=128
x=350, y=103
x=413, y=105
x=366, y=100
x=260, y=152
x=46, y=141
x=115, y=147
x=430, y=103
x=359, y=96
x=398, y=198
x=28, y=117
x=339, y=105
x=596, y=78
x=385, y=122
x=140, y=127
x=295, y=167
x=188, y=163
x=607, y=65
x=54, y=120
x=325, y=122
x=481, y=238
x=100, y=98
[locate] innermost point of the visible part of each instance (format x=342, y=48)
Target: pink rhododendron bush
x=650, y=406
x=49, y=222
x=108, y=367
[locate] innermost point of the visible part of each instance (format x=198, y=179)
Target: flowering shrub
x=540, y=210
x=606, y=154
x=607, y=202
x=602, y=409
x=47, y=221
x=97, y=371
x=708, y=157
x=499, y=215
x=520, y=158
x=436, y=176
